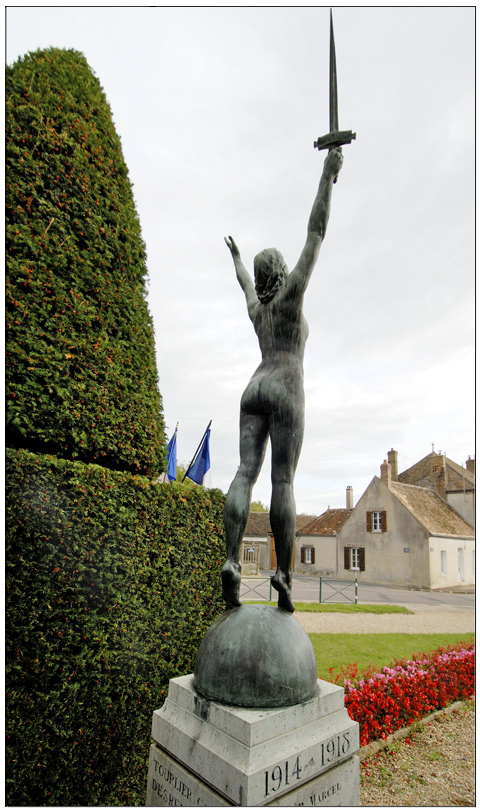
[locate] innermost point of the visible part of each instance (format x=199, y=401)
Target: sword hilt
x=334, y=139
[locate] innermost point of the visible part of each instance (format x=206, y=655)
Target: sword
x=335, y=138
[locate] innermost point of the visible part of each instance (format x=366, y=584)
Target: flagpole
x=196, y=452
x=174, y=447
x=173, y=443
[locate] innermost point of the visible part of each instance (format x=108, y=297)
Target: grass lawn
x=339, y=607
x=380, y=649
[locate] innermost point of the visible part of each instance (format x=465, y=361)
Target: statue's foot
x=284, y=594
x=231, y=577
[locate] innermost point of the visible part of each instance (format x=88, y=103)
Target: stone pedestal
x=211, y=755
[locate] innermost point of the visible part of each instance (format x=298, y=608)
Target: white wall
x=451, y=547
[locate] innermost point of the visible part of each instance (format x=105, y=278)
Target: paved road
x=306, y=589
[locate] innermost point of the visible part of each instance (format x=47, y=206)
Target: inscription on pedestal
x=288, y=773
x=338, y=787
x=171, y=785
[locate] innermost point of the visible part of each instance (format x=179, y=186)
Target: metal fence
x=245, y=588
x=330, y=588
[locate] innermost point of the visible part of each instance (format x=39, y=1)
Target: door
x=461, y=569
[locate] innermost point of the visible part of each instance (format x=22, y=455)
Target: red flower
x=382, y=702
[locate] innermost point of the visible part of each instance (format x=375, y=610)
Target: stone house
x=413, y=529
x=408, y=535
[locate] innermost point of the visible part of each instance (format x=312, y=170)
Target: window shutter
x=302, y=554
x=383, y=516
x=313, y=555
x=369, y=521
x=361, y=559
x=346, y=558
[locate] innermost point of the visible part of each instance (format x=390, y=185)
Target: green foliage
x=111, y=582
x=181, y=470
x=258, y=506
x=81, y=378
x=336, y=650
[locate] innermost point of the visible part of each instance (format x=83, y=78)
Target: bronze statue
x=273, y=403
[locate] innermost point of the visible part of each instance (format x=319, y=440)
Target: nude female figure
x=273, y=403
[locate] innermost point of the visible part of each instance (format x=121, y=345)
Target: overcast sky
x=217, y=110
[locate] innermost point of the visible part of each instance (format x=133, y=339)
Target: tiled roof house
x=413, y=529
x=405, y=534
x=316, y=544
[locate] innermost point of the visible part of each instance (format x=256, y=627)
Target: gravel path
x=434, y=767
x=425, y=619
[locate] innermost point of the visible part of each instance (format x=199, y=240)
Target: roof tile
x=431, y=511
x=258, y=524
x=327, y=524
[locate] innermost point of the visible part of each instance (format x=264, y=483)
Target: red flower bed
x=382, y=702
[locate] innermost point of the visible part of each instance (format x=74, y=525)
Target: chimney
x=349, y=497
x=470, y=465
x=393, y=461
x=439, y=482
x=437, y=464
x=386, y=473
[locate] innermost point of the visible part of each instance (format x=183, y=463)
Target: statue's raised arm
x=243, y=276
x=317, y=224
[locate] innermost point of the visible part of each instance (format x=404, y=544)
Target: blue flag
x=172, y=458
x=199, y=469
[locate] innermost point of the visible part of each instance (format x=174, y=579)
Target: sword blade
x=333, y=81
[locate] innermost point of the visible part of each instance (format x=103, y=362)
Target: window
x=307, y=554
x=354, y=558
x=377, y=521
x=443, y=555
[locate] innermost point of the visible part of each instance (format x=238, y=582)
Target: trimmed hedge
x=81, y=377
x=111, y=582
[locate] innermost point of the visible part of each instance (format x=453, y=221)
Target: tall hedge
x=111, y=582
x=81, y=377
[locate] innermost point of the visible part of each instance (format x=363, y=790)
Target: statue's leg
x=253, y=442
x=287, y=437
